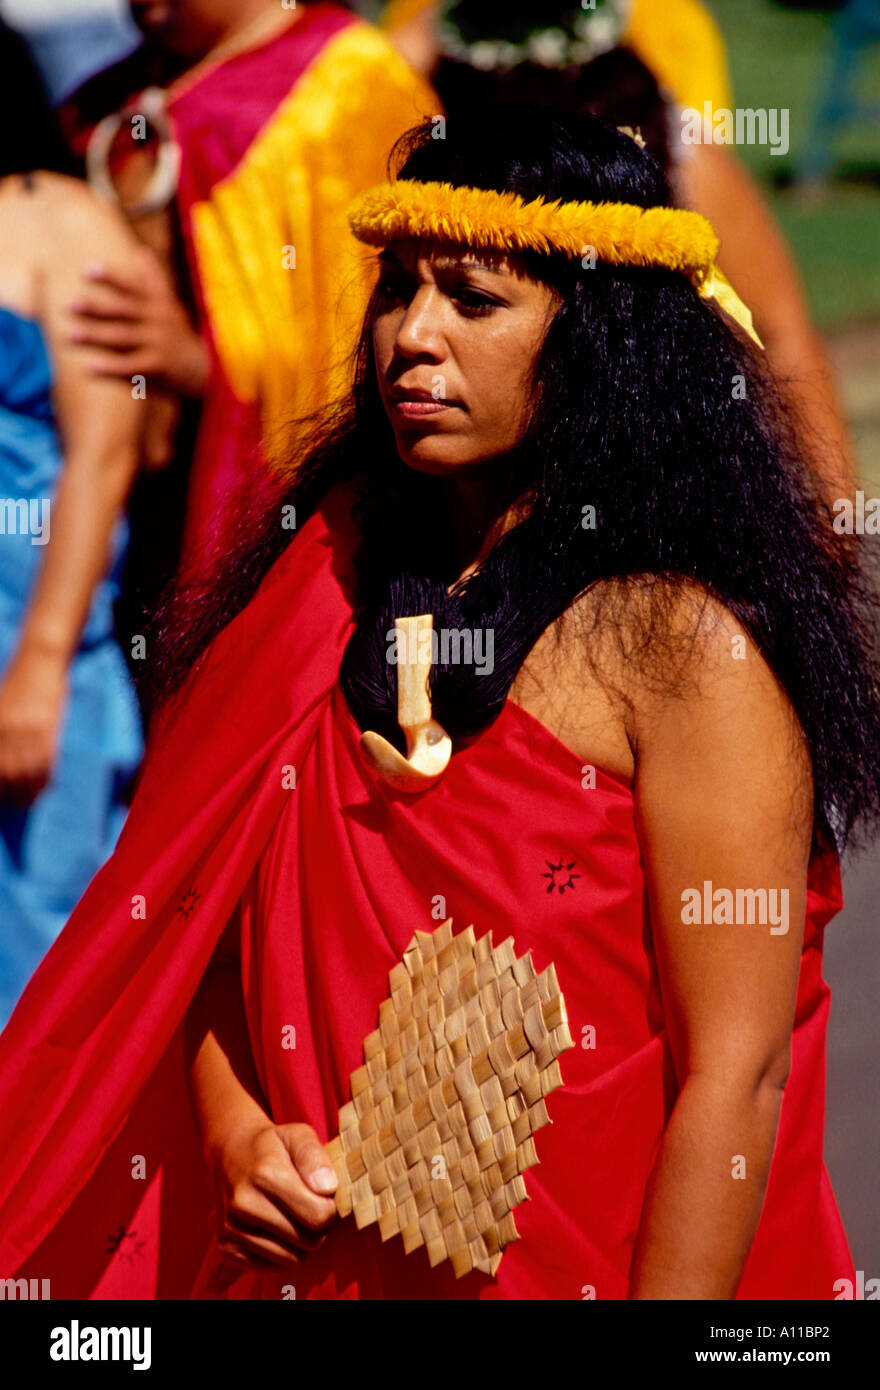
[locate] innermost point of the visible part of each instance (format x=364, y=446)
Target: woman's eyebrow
x=456, y=263
x=389, y=258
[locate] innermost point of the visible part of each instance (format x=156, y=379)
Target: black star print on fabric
x=125, y=1244
x=560, y=875
x=187, y=903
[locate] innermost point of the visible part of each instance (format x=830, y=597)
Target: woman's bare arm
x=723, y=796
x=98, y=423
x=272, y=1180
x=98, y=420
x=224, y=1085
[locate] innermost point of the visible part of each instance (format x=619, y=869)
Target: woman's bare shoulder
x=647, y=639
x=605, y=674
x=638, y=621
x=683, y=660
x=32, y=195
x=67, y=220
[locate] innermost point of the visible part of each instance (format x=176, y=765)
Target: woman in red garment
x=669, y=718
x=702, y=765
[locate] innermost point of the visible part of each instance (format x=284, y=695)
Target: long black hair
x=617, y=86
x=648, y=407
x=31, y=135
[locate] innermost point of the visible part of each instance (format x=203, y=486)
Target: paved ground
x=852, y=941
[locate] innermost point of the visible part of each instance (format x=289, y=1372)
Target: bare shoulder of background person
x=61, y=230
x=66, y=216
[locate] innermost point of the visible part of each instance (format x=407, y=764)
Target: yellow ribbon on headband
x=616, y=233
x=717, y=286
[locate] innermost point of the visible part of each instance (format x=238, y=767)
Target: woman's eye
x=394, y=286
x=472, y=301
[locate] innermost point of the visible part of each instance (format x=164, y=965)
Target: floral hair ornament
x=616, y=233
x=497, y=35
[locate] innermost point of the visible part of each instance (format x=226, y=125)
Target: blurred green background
x=781, y=57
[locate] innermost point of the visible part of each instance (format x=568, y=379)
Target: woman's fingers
x=268, y=1210
x=287, y=1189
x=133, y=283
x=121, y=364
x=123, y=335
x=253, y=1213
x=260, y=1232
x=107, y=301
x=256, y=1252
x=310, y=1158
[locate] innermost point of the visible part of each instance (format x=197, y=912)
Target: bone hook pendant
x=428, y=746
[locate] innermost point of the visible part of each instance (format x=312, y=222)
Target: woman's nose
x=420, y=330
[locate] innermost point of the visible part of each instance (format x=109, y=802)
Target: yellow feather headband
x=617, y=233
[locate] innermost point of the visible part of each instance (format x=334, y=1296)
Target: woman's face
x=188, y=27
x=455, y=337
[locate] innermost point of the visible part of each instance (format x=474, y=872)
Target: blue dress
x=50, y=849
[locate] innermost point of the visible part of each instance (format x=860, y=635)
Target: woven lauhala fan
x=439, y=1130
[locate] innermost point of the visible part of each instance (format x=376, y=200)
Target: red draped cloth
x=102, y=1187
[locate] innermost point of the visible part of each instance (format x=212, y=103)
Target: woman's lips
x=414, y=409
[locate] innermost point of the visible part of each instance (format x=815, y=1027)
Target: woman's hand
x=138, y=326
x=33, y=694
x=272, y=1186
